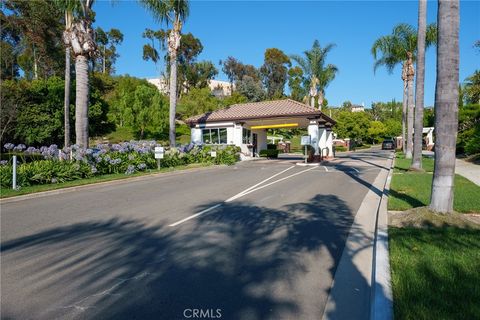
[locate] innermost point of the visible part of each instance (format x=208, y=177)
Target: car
x=388, y=144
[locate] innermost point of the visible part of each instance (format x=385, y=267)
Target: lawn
x=435, y=272
x=6, y=193
x=410, y=189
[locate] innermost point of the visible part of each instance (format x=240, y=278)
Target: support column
x=329, y=142
x=322, y=138
x=313, y=133
x=196, y=135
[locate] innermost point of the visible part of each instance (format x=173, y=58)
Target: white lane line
x=355, y=170
x=195, y=215
x=267, y=185
x=263, y=181
x=243, y=193
x=326, y=169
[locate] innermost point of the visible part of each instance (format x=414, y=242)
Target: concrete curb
x=351, y=293
x=42, y=194
x=382, y=297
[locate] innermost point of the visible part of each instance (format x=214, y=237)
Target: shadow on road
x=247, y=260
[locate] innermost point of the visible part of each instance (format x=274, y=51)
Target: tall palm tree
x=318, y=74
x=68, y=6
x=80, y=38
x=446, y=106
x=173, y=12
x=420, y=85
x=395, y=49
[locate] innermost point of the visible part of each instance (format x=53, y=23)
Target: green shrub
x=269, y=153
x=271, y=146
x=340, y=149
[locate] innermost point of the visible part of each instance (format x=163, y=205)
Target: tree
x=446, y=106
x=472, y=88
x=108, y=42
x=420, y=86
x=172, y=12
x=80, y=38
x=198, y=101
x=295, y=81
x=199, y=74
x=235, y=70
x=400, y=47
x=145, y=110
x=251, y=88
x=274, y=72
x=318, y=74
x=353, y=125
x=376, y=130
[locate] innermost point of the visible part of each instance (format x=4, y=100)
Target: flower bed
x=52, y=165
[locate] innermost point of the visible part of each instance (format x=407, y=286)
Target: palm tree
x=446, y=106
x=80, y=38
x=396, y=49
x=172, y=12
x=419, y=85
x=318, y=74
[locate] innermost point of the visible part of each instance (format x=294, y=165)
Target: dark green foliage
x=252, y=89
x=269, y=153
x=468, y=139
x=274, y=72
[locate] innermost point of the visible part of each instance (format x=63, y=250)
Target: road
x=257, y=240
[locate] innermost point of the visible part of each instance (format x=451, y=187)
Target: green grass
x=435, y=272
x=402, y=164
x=411, y=189
x=6, y=193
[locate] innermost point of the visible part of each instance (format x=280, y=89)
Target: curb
x=42, y=194
x=382, y=297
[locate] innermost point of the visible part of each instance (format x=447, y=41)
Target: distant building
x=219, y=88
x=357, y=108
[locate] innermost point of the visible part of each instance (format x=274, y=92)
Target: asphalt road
x=258, y=240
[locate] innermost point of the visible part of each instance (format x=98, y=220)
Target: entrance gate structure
x=238, y=123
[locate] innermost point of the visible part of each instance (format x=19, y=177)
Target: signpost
x=159, y=153
x=213, y=154
x=305, y=141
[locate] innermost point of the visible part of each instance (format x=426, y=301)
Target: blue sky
x=245, y=29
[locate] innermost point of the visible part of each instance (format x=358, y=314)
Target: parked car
x=388, y=144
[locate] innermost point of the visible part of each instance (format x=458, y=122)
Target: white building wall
x=313, y=133
x=329, y=142
x=196, y=135
x=261, y=139
x=322, y=140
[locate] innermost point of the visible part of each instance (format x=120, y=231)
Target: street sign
x=213, y=154
x=305, y=141
x=159, y=152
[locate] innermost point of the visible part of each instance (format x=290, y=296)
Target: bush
x=127, y=157
x=340, y=149
x=269, y=153
x=271, y=146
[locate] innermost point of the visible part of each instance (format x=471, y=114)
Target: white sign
x=213, y=154
x=305, y=140
x=159, y=152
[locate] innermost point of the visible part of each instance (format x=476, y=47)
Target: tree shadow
x=413, y=202
x=248, y=261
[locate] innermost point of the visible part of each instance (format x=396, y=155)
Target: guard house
x=245, y=125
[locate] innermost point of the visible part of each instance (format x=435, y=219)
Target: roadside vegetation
x=434, y=263
x=411, y=189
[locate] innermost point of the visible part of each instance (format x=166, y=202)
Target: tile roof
x=259, y=110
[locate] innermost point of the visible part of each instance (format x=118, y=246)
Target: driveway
x=258, y=240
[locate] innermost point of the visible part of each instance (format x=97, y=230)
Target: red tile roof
x=260, y=110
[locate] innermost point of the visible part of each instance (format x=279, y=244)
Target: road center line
x=326, y=169
x=195, y=215
x=243, y=193
x=268, y=184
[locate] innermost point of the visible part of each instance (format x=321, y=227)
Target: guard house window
x=246, y=136
x=215, y=136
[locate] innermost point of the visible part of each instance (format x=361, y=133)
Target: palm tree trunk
x=67, y=99
x=410, y=106
x=446, y=106
x=419, y=85
x=81, y=101
x=404, y=116
x=173, y=97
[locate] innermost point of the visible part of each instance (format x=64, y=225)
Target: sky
x=244, y=29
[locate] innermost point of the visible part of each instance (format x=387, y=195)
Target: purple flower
x=20, y=147
x=54, y=180
x=31, y=150
x=142, y=166
x=9, y=146
x=93, y=169
x=130, y=169
x=3, y=163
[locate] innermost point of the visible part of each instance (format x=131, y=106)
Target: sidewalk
x=468, y=170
